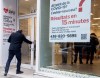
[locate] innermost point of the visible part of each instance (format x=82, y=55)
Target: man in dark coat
x=92, y=49
x=15, y=41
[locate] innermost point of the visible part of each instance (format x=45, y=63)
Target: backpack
x=96, y=41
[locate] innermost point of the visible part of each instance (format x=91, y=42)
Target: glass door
x=27, y=24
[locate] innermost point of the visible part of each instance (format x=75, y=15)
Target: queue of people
x=89, y=49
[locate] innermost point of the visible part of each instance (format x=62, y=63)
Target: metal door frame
x=32, y=39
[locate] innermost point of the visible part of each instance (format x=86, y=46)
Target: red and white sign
x=9, y=25
x=70, y=20
x=9, y=18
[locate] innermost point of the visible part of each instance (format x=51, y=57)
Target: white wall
x=1, y=24
x=8, y=24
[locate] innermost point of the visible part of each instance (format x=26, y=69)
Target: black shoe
x=91, y=63
x=81, y=62
x=63, y=63
x=86, y=62
x=75, y=62
x=19, y=72
x=5, y=74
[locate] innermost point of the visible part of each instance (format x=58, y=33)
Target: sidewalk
x=28, y=73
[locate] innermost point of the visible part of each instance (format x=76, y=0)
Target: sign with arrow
x=70, y=20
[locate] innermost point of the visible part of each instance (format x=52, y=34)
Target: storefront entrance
x=27, y=24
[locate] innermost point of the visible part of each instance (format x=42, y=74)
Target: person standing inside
x=64, y=47
x=78, y=49
x=15, y=41
x=92, y=49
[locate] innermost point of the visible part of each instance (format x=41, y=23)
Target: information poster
x=9, y=18
x=70, y=20
x=9, y=25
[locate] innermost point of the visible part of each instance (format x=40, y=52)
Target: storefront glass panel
x=52, y=55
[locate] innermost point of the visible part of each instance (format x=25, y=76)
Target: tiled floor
x=81, y=68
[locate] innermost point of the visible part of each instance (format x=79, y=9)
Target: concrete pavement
x=27, y=73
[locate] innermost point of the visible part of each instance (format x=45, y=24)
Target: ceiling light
x=91, y=13
x=95, y=5
x=94, y=24
x=26, y=0
x=96, y=18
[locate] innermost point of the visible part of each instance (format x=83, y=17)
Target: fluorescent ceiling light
x=26, y=0
x=96, y=18
x=95, y=5
x=91, y=13
x=94, y=24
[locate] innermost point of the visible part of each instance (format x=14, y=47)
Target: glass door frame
x=32, y=16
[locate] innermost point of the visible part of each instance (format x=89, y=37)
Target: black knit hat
x=20, y=31
x=93, y=34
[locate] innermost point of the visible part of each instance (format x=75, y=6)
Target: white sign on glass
x=70, y=20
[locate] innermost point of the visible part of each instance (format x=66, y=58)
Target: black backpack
x=94, y=41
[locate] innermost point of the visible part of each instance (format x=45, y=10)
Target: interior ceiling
x=27, y=6
x=95, y=10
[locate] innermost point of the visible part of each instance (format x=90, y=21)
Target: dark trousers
x=90, y=54
x=17, y=53
x=78, y=50
x=64, y=57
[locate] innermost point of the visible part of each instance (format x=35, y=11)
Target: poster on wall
x=9, y=25
x=9, y=18
x=69, y=20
